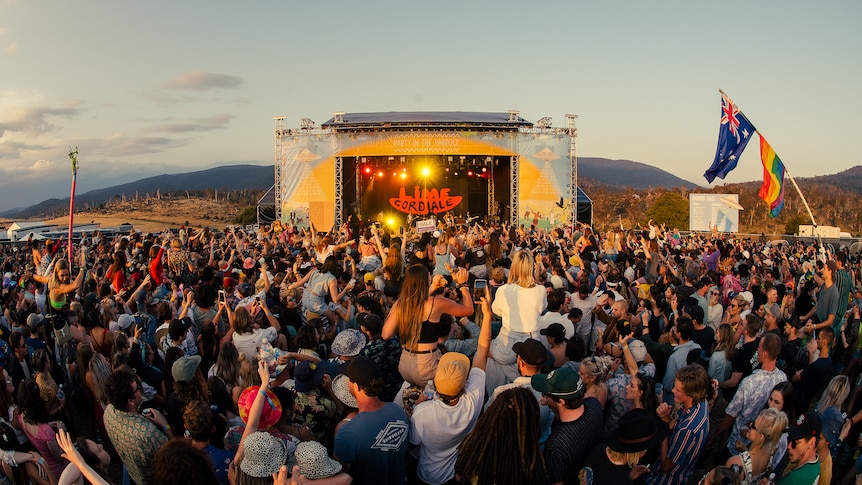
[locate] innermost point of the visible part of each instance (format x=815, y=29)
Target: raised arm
x=454, y=308
x=480, y=360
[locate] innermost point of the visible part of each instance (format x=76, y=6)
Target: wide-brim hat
x=341, y=389
x=313, y=461
x=176, y=243
x=637, y=431
x=348, y=343
x=271, y=407
x=264, y=454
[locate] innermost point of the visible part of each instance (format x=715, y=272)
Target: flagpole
x=74, y=156
x=804, y=202
x=801, y=196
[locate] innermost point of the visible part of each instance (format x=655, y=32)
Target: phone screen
x=479, y=289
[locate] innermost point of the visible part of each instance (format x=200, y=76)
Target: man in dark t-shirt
x=577, y=425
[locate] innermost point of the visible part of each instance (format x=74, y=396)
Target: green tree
x=792, y=226
x=671, y=209
x=246, y=217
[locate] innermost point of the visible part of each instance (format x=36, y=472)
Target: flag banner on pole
x=772, y=189
x=733, y=134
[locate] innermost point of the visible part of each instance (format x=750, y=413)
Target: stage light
x=394, y=174
x=447, y=169
x=404, y=169
x=380, y=173
x=390, y=222
x=470, y=173
x=456, y=173
x=403, y=175
x=367, y=170
x=484, y=169
x=426, y=171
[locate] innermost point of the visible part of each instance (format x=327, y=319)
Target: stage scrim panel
x=309, y=175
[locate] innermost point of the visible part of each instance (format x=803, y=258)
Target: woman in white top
x=715, y=312
x=244, y=336
x=519, y=303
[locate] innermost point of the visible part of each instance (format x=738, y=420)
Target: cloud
x=203, y=81
x=14, y=149
x=119, y=145
x=11, y=48
x=215, y=122
x=34, y=119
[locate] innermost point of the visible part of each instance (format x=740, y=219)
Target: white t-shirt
x=438, y=429
x=249, y=343
x=520, y=307
x=586, y=306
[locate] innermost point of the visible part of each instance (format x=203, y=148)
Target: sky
x=145, y=88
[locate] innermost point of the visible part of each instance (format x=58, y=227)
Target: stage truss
x=542, y=161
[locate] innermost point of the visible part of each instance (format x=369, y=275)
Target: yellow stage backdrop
x=308, y=169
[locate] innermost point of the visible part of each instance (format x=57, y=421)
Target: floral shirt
x=617, y=403
x=387, y=354
x=316, y=411
x=136, y=440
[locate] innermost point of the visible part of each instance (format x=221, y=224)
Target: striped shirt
x=687, y=441
x=569, y=443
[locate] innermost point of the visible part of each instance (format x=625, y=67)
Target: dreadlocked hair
x=503, y=447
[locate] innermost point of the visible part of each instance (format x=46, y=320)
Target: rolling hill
x=616, y=174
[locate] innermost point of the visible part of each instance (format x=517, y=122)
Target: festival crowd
x=471, y=354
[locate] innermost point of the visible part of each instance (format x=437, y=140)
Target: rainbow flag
x=772, y=189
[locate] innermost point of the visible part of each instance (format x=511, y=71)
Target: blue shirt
x=687, y=441
x=221, y=461
x=374, y=444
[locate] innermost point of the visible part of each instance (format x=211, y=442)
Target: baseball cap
x=184, y=368
x=556, y=330
x=807, y=426
x=178, y=328
x=373, y=323
x=307, y=376
x=695, y=312
x=562, y=383
x=532, y=351
x=34, y=320
x=638, y=350
x=125, y=321
x=452, y=372
x=369, y=277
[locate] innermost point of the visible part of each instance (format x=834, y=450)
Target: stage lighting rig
x=544, y=123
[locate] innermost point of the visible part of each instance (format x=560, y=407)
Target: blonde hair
x=242, y=321
x=599, y=367
x=835, y=394
x=776, y=422
x=631, y=459
x=521, y=272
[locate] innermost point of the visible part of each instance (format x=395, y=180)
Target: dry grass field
x=154, y=215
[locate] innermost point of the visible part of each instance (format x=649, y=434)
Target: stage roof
x=413, y=120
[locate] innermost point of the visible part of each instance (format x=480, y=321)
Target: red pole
x=74, y=156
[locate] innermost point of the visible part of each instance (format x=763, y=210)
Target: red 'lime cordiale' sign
x=425, y=202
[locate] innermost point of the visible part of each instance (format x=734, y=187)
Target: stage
x=391, y=167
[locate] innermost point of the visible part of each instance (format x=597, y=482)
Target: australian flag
x=733, y=135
